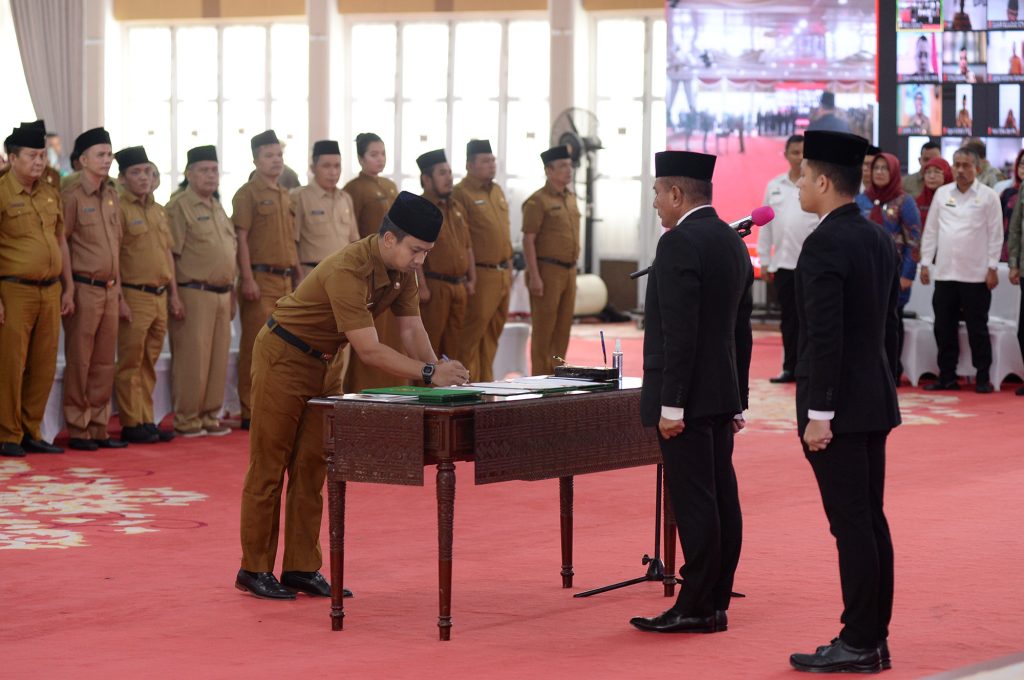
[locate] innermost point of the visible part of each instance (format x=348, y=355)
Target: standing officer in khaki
x=372, y=196
x=448, y=275
x=33, y=260
x=486, y=210
x=50, y=174
x=147, y=288
x=325, y=219
x=296, y=358
x=92, y=222
x=203, y=245
x=551, y=244
x=267, y=258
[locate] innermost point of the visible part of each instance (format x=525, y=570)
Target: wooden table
x=507, y=438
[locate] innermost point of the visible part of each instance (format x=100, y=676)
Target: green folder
x=429, y=395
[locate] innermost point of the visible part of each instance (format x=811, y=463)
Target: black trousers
x=898, y=368
x=951, y=300
x=851, y=478
x=785, y=288
x=702, y=485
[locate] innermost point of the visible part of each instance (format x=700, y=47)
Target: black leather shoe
x=673, y=622
x=138, y=434
x=1019, y=391
x=984, y=388
x=83, y=444
x=309, y=582
x=951, y=385
x=262, y=584
x=245, y=423
x=883, y=653
x=721, y=621
x=11, y=450
x=784, y=377
x=39, y=446
x=838, y=657
x=162, y=435
x=109, y=443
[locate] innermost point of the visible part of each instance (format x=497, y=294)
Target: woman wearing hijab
x=934, y=174
x=896, y=210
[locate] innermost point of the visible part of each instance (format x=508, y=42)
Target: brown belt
x=268, y=269
x=447, y=279
x=560, y=263
x=42, y=283
x=99, y=283
x=152, y=290
x=296, y=342
x=200, y=285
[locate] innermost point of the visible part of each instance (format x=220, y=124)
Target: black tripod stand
x=655, y=567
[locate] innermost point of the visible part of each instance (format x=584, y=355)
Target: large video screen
x=959, y=69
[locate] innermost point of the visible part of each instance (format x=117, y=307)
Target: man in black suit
x=696, y=362
x=846, y=291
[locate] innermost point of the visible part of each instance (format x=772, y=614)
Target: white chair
x=511, y=354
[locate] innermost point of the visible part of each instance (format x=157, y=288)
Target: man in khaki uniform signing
x=147, y=289
x=92, y=222
x=486, y=210
x=448, y=274
x=551, y=244
x=33, y=260
x=296, y=358
x=267, y=259
x=203, y=245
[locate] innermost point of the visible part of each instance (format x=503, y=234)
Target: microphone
x=758, y=217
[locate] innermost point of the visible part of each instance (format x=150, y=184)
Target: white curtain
x=50, y=38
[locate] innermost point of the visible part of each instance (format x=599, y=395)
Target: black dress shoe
x=262, y=584
x=838, y=657
x=139, y=434
x=883, y=652
x=784, y=377
x=39, y=446
x=673, y=622
x=309, y=582
x=1019, y=391
x=109, y=443
x=162, y=435
x=984, y=388
x=245, y=423
x=951, y=385
x=11, y=450
x=721, y=621
x=83, y=444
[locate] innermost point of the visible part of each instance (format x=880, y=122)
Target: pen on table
x=604, y=352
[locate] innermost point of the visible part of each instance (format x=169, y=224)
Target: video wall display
x=959, y=70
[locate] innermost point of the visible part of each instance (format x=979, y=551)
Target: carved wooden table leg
x=336, y=510
x=669, y=540
x=565, y=499
x=445, y=530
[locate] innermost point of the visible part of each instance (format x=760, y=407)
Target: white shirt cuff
x=671, y=413
x=820, y=415
x=742, y=415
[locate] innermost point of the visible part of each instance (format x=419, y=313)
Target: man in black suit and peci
x=846, y=291
x=697, y=348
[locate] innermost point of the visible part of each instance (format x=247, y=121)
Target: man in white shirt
x=778, y=245
x=962, y=239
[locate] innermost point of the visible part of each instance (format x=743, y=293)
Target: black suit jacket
x=847, y=287
x=697, y=338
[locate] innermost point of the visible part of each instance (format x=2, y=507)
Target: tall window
x=629, y=102
x=436, y=85
x=17, y=105
x=187, y=86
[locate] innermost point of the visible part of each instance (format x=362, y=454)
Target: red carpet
x=145, y=587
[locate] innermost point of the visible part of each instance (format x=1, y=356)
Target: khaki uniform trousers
x=486, y=313
x=29, y=339
x=551, y=317
x=254, y=315
x=200, y=344
x=359, y=376
x=90, y=340
x=139, y=344
x=285, y=436
x=443, y=317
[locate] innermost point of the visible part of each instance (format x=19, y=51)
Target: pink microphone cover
x=762, y=216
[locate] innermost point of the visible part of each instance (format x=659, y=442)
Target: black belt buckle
x=99, y=283
x=269, y=269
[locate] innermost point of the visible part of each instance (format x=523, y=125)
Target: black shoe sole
x=839, y=668
x=246, y=589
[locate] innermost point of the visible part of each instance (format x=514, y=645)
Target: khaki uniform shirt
x=266, y=213
x=92, y=222
x=371, y=198
x=145, y=241
x=555, y=219
x=325, y=222
x=450, y=255
x=345, y=293
x=30, y=222
x=202, y=240
x=486, y=212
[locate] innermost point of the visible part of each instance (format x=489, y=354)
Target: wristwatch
x=428, y=372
